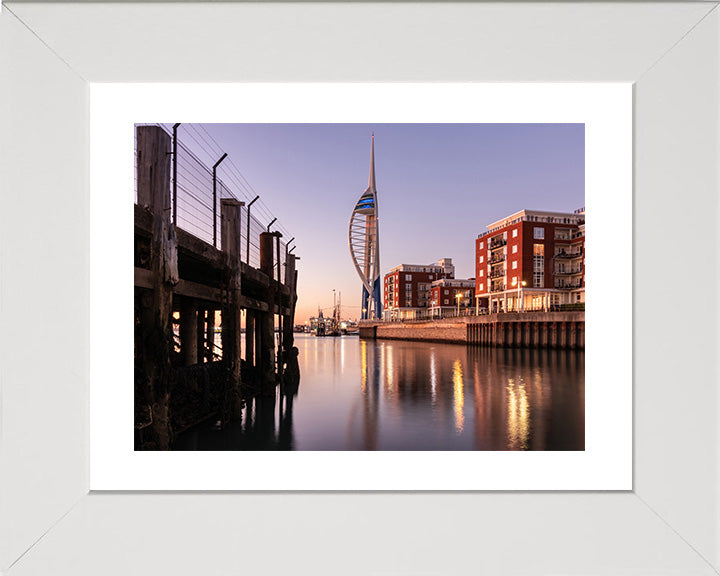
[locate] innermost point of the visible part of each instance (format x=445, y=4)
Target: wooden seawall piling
x=564, y=330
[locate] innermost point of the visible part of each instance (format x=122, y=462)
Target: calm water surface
x=392, y=395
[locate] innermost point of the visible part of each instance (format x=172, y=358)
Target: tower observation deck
x=364, y=244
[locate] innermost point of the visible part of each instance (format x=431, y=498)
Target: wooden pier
x=184, y=287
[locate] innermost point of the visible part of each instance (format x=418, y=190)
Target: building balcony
x=497, y=288
x=569, y=272
x=498, y=243
x=497, y=258
x=497, y=272
x=568, y=285
x=563, y=255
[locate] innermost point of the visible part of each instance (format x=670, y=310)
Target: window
x=514, y=233
x=481, y=245
x=482, y=286
x=539, y=233
x=538, y=266
x=430, y=277
x=447, y=291
x=445, y=301
x=408, y=277
x=481, y=259
x=514, y=249
x=514, y=265
x=482, y=272
x=408, y=287
x=514, y=281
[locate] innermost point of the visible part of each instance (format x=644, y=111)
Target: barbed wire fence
x=196, y=209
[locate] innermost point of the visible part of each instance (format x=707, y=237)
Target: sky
x=438, y=185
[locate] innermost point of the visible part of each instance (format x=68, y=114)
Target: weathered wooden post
x=278, y=299
x=230, y=210
x=581, y=334
x=291, y=283
x=210, y=334
x=527, y=340
x=188, y=332
x=200, y=334
x=290, y=353
x=153, y=182
x=250, y=338
x=266, y=351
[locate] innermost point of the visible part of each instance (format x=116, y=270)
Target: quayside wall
x=564, y=330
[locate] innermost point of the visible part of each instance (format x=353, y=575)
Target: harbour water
x=394, y=395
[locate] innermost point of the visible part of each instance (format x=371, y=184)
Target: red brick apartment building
x=449, y=297
x=531, y=260
x=407, y=288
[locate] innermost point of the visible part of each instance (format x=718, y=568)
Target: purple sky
x=439, y=185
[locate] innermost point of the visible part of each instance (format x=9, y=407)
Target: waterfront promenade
x=564, y=330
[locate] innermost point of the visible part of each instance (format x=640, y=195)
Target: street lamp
x=523, y=283
x=458, y=296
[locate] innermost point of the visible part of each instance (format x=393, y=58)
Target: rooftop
x=548, y=217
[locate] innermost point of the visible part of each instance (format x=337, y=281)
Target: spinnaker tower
x=365, y=246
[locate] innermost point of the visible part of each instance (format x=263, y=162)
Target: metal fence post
x=215, y=198
x=247, y=238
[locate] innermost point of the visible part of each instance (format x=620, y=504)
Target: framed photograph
x=596, y=456
x=649, y=459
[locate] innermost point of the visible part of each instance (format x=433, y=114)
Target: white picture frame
x=668, y=523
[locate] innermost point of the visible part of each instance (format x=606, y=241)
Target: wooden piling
x=210, y=334
x=266, y=351
x=188, y=331
x=250, y=338
x=155, y=346
x=230, y=210
x=200, y=334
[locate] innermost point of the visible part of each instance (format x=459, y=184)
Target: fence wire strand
x=195, y=194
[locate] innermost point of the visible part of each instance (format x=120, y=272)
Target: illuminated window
x=514, y=249
x=482, y=272
x=514, y=265
x=481, y=260
x=481, y=245
x=538, y=265
x=514, y=233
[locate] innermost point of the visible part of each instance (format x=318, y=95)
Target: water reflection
x=458, y=396
x=391, y=395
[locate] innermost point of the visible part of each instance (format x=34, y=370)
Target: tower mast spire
x=371, y=180
x=363, y=237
